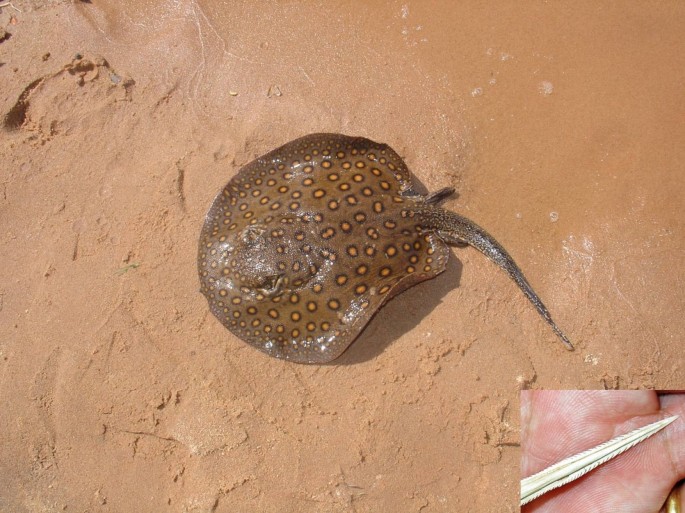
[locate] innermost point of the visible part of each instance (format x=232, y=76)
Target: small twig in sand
x=127, y=268
x=10, y=4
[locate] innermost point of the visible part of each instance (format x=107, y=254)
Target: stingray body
x=307, y=242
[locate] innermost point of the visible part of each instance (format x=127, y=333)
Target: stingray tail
x=456, y=229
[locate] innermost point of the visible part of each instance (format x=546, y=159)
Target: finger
x=667, y=399
x=675, y=437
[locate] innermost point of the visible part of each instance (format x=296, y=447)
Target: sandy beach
x=561, y=126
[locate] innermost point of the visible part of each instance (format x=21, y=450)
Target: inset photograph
x=602, y=451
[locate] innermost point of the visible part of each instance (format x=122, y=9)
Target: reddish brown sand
x=562, y=128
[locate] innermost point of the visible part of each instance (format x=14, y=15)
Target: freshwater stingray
x=307, y=242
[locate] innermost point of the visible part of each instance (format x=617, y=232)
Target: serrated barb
x=580, y=464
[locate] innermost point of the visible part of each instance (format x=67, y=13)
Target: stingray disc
x=306, y=243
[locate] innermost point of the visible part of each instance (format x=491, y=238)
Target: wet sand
x=561, y=127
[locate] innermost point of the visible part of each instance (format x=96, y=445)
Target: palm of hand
x=558, y=424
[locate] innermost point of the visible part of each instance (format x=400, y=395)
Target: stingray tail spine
x=456, y=229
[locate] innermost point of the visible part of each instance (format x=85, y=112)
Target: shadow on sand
x=401, y=314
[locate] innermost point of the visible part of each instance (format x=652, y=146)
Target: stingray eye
x=271, y=285
x=252, y=235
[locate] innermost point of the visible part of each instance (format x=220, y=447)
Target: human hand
x=558, y=424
